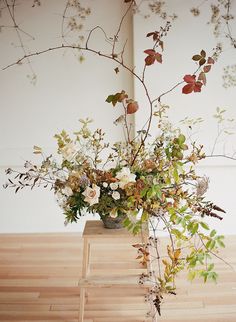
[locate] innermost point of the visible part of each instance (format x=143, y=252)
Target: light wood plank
x=40, y=273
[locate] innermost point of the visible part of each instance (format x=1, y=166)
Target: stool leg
x=86, y=258
x=85, y=272
x=82, y=304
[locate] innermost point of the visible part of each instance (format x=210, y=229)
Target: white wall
x=67, y=90
x=188, y=36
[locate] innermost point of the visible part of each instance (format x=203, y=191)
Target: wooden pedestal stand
x=94, y=232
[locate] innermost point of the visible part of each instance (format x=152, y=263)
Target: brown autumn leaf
x=116, y=70
x=150, y=60
x=196, y=57
x=158, y=58
x=137, y=245
x=202, y=77
x=203, y=53
x=202, y=61
x=132, y=107
x=154, y=35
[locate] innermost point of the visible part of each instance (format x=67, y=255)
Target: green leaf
x=183, y=209
x=181, y=139
x=126, y=222
x=191, y=275
x=210, y=267
x=112, y=99
x=143, y=192
x=204, y=225
x=213, y=233
x=195, y=228
x=145, y=216
x=176, y=232
x=176, y=175
x=220, y=243
x=211, y=244
x=158, y=192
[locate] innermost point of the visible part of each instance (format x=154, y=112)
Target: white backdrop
x=67, y=90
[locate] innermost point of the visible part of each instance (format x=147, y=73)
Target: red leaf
x=210, y=60
x=158, y=57
x=190, y=78
x=197, y=87
x=150, y=51
x=207, y=68
x=192, y=85
x=187, y=89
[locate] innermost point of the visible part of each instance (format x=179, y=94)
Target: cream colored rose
x=125, y=176
x=115, y=195
x=68, y=151
x=92, y=194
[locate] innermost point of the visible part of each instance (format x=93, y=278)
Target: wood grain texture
x=40, y=274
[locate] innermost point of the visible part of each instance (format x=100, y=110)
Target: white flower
x=125, y=176
x=115, y=195
x=92, y=194
x=114, y=186
x=114, y=213
x=68, y=151
x=67, y=191
x=105, y=184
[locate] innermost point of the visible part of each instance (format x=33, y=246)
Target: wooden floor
x=39, y=276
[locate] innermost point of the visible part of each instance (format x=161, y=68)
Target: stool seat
x=95, y=229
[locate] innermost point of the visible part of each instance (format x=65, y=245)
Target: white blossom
x=125, y=176
x=115, y=195
x=114, y=185
x=105, y=184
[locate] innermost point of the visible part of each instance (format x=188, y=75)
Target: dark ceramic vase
x=113, y=223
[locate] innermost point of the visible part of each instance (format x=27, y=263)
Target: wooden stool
x=94, y=231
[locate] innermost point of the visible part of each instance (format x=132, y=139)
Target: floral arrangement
x=156, y=183
x=141, y=179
